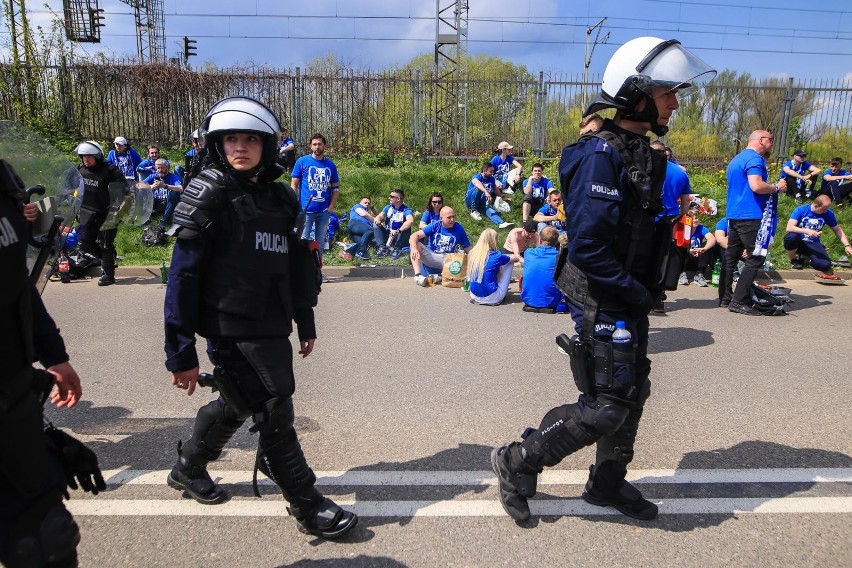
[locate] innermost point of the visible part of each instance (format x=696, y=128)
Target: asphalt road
x=746, y=442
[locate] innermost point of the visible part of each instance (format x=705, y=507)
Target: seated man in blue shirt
x=836, y=182
x=539, y=291
x=441, y=239
x=548, y=215
x=166, y=187
x=146, y=166
x=803, y=233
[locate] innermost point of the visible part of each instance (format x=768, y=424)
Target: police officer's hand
x=305, y=347
x=645, y=301
x=67, y=390
x=31, y=212
x=186, y=380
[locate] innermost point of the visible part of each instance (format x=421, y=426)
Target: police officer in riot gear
x=239, y=277
x=97, y=177
x=611, y=270
x=36, y=465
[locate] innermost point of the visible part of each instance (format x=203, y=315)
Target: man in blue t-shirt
x=836, y=182
x=166, y=187
x=800, y=175
x=803, y=235
x=392, y=226
x=481, y=192
x=360, y=228
x=548, y=215
x=539, y=291
x=536, y=189
x=315, y=181
x=146, y=166
x=441, y=239
x=701, y=246
x=676, y=188
x=507, y=169
x=748, y=192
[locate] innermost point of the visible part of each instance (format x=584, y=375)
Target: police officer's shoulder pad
x=601, y=190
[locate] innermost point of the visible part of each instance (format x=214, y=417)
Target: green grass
x=419, y=179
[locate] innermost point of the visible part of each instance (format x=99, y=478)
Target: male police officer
x=239, y=277
x=611, y=185
x=35, y=527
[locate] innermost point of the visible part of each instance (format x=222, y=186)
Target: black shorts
x=536, y=202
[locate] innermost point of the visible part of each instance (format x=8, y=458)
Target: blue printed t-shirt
x=540, y=189
x=743, y=203
x=170, y=178
x=317, y=179
x=285, y=142
x=549, y=210
x=488, y=184
x=539, y=289
x=834, y=183
x=354, y=217
x=676, y=185
x=430, y=217
x=501, y=166
x=488, y=285
x=443, y=240
x=396, y=217
x=722, y=225
x=698, y=233
x=807, y=219
x=126, y=162
x=801, y=169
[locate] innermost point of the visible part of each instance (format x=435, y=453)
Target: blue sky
x=784, y=38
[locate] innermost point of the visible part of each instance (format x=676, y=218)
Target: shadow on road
x=668, y=339
x=356, y=562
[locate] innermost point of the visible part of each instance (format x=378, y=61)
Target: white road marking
x=491, y=508
x=487, y=478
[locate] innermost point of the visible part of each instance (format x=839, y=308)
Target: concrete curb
x=388, y=272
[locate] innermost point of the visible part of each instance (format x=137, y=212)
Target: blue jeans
x=171, y=202
x=475, y=201
x=361, y=234
x=382, y=233
x=814, y=250
x=317, y=223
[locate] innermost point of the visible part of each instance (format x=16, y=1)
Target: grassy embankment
x=419, y=179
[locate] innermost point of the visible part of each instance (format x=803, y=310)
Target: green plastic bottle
x=717, y=272
x=164, y=273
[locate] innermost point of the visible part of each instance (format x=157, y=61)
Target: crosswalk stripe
x=357, y=478
x=461, y=508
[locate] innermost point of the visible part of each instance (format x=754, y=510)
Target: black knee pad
x=275, y=422
x=45, y=536
x=215, y=423
x=604, y=415
x=561, y=433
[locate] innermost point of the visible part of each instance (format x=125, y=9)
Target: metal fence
x=362, y=111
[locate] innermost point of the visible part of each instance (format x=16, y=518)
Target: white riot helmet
x=89, y=148
x=242, y=114
x=642, y=64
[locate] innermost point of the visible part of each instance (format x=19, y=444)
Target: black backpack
x=768, y=303
x=154, y=235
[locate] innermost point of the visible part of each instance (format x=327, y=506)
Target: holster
x=582, y=368
x=229, y=391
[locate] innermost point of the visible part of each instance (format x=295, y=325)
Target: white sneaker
x=700, y=280
x=435, y=278
x=508, y=191
x=420, y=280
x=476, y=215
x=506, y=225
x=684, y=281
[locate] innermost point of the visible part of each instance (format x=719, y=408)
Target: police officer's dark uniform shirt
x=595, y=189
x=96, y=181
x=15, y=289
x=242, y=279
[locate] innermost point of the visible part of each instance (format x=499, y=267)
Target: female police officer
x=239, y=276
x=611, y=186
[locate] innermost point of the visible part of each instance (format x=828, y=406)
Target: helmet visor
x=670, y=65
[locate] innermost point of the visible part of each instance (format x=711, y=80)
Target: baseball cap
x=504, y=146
x=120, y=140
x=800, y=153
x=530, y=226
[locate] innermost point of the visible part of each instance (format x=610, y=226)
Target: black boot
x=607, y=487
x=107, y=268
x=516, y=484
x=190, y=476
x=214, y=426
x=107, y=278
x=326, y=520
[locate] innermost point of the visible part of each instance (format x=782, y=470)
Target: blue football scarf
x=768, y=225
